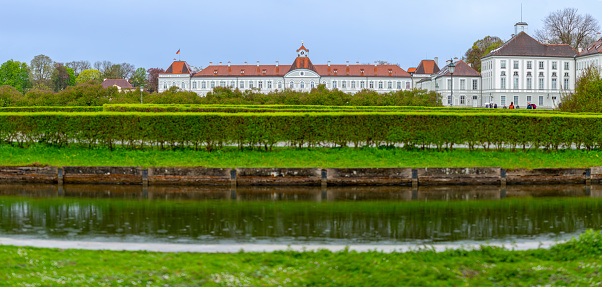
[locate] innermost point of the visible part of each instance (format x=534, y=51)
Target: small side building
x=466, y=86
x=121, y=84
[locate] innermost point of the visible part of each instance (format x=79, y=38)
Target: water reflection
x=297, y=214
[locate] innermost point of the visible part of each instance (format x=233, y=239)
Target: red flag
x=178, y=52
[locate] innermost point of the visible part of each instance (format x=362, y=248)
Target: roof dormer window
x=215, y=72
x=335, y=71
x=263, y=71
x=362, y=71
x=390, y=71
x=242, y=71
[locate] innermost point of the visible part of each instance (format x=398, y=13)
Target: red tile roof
x=524, y=45
x=411, y=70
x=427, y=67
x=302, y=63
x=302, y=48
x=462, y=70
x=322, y=70
x=122, y=83
x=593, y=48
x=178, y=67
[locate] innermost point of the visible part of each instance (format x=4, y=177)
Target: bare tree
x=127, y=70
x=78, y=66
x=568, y=27
x=41, y=71
x=103, y=66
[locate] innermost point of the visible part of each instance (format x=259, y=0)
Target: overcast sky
x=148, y=33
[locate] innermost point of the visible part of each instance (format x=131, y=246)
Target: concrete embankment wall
x=298, y=176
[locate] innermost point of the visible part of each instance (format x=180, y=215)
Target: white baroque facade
x=460, y=89
x=302, y=75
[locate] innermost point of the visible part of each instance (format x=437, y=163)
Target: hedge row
x=35, y=109
x=211, y=130
x=295, y=108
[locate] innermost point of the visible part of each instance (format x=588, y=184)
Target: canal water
x=298, y=215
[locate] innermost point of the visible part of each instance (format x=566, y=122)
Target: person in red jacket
x=511, y=106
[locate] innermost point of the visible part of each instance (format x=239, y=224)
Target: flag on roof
x=178, y=52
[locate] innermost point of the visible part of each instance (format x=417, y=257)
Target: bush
x=587, y=96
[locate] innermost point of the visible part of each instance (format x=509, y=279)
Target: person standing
x=529, y=106
x=511, y=106
x=495, y=106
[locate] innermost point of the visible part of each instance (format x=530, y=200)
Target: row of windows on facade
x=475, y=84
x=502, y=100
x=586, y=64
x=530, y=83
x=489, y=65
x=541, y=74
x=241, y=84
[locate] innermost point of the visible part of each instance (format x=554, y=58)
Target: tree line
x=42, y=73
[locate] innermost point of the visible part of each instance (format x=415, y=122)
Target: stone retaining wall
x=298, y=176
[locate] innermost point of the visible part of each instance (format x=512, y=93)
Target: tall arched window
x=302, y=85
x=291, y=85
x=312, y=84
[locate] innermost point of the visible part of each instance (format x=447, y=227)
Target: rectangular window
x=449, y=84
x=516, y=101
x=212, y=84
x=203, y=85
x=260, y=85
x=362, y=85
x=183, y=85
x=541, y=100
x=399, y=85
x=566, y=66
x=529, y=64
x=232, y=83
x=553, y=84
x=515, y=83
x=380, y=85
x=222, y=83
x=503, y=64
x=541, y=83
x=475, y=84
x=529, y=84
x=528, y=99
x=541, y=64
x=250, y=84
x=344, y=84
x=353, y=84
x=371, y=85
x=554, y=65
x=269, y=85
x=502, y=83
x=390, y=85
x=194, y=85
x=516, y=64
x=279, y=85
x=566, y=84
x=407, y=85
x=462, y=100
x=503, y=100
x=334, y=84
x=462, y=84
x=242, y=84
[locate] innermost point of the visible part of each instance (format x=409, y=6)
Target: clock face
x=302, y=52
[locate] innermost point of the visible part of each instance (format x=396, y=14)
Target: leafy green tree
x=9, y=96
x=88, y=75
x=40, y=73
x=587, y=96
x=139, y=78
x=15, y=74
x=481, y=48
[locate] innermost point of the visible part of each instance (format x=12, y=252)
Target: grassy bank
x=290, y=157
x=575, y=263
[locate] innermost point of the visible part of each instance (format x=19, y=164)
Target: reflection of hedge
x=302, y=129
x=297, y=108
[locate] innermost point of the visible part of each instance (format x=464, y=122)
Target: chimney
x=277, y=68
x=375, y=63
x=580, y=49
x=245, y=63
x=375, y=67
x=328, y=63
x=276, y=63
x=357, y=63
x=228, y=63
x=511, y=36
x=437, y=61
x=347, y=63
x=257, y=67
x=220, y=63
x=257, y=63
x=229, y=68
x=347, y=69
x=210, y=63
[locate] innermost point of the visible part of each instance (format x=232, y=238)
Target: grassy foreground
x=290, y=157
x=575, y=263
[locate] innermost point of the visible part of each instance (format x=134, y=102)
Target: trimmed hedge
x=212, y=130
x=296, y=108
x=34, y=109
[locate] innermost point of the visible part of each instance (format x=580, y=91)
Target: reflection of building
x=466, y=85
x=121, y=84
x=302, y=75
x=524, y=70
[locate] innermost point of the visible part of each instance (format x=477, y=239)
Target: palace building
x=301, y=75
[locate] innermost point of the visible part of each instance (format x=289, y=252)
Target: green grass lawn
x=291, y=157
x=575, y=263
